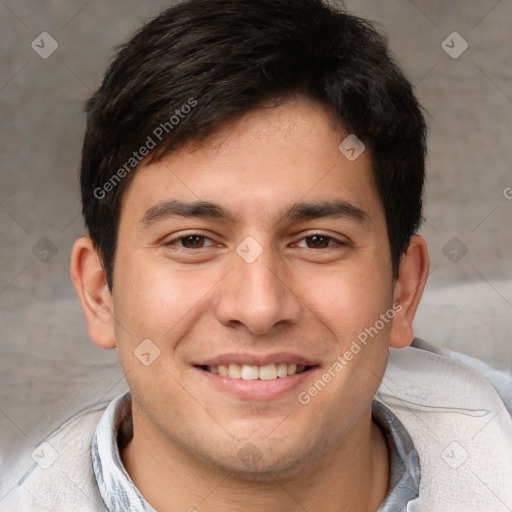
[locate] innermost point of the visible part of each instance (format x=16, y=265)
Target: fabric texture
x=460, y=427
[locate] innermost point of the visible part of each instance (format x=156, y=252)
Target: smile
x=256, y=376
x=253, y=372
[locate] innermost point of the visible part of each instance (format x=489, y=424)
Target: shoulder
x=62, y=476
x=501, y=380
x=423, y=361
x=459, y=425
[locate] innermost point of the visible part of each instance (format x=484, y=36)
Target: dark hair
x=203, y=62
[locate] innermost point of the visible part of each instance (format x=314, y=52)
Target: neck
x=351, y=476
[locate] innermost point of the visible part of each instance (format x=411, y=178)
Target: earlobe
x=90, y=283
x=408, y=290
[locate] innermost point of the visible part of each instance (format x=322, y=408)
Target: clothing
x=448, y=433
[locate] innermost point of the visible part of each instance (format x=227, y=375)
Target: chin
x=265, y=462
x=265, y=471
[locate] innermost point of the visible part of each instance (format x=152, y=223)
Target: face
x=261, y=253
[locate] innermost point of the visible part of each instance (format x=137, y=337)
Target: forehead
x=264, y=162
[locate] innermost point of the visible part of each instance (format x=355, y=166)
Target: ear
x=90, y=283
x=409, y=286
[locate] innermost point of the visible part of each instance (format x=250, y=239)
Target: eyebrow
x=298, y=211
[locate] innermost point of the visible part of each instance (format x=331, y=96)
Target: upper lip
x=257, y=359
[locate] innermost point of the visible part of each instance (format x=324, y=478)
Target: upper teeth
x=252, y=372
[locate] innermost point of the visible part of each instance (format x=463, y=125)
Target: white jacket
x=456, y=419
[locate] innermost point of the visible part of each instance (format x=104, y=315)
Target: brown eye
x=193, y=241
x=318, y=241
x=190, y=241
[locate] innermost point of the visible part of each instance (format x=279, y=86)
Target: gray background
x=48, y=367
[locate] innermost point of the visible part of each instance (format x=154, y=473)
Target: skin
x=202, y=300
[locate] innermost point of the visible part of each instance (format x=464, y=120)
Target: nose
x=258, y=295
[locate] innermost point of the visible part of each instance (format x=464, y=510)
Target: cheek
x=356, y=307
x=154, y=308
x=350, y=300
x=156, y=300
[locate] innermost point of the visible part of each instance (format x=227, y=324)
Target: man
x=251, y=179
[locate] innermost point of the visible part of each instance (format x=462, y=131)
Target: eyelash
x=203, y=235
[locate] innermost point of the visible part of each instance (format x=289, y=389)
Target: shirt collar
x=117, y=490
x=404, y=478
x=119, y=493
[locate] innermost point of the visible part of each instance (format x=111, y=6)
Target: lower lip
x=257, y=389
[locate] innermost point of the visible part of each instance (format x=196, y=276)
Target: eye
x=320, y=241
x=190, y=241
x=199, y=241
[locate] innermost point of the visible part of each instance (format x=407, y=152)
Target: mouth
x=248, y=381
x=265, y=372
